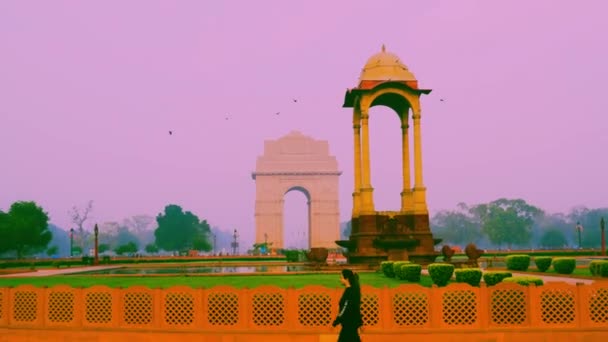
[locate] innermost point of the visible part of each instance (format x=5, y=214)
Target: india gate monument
x=301, y=163
x=298, y=162
x=402, y=234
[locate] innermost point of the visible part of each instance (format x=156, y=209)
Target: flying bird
x=170, y=132
x=440, y=100
x=295, y=100
x=277, y=113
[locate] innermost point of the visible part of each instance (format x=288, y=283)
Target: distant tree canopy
x=178, y=230
x=24, y=229
x=507, y=222
x=553, y=238
x=456, y=226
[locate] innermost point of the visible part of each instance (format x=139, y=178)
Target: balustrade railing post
x=484, y=310
x=386, y=308
x=534, y=309
x=435, y=306
x=580, y=305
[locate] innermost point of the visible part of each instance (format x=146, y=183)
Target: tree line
x=25, y=231
x=514, y=223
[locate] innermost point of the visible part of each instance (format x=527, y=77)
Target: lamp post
x=71, y=242
x=235, y=243
x=214, y=244
x=96, y=261
x=602, y=227
x=265, y=243
x=579, y=228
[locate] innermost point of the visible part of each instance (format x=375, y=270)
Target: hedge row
x=599, y=268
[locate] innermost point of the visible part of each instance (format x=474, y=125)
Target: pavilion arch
x=301, y=163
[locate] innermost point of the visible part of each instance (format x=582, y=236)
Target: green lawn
x=239, y=281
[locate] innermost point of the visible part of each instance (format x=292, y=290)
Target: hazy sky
x=90, y=89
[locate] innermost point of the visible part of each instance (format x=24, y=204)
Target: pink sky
x=89, y=90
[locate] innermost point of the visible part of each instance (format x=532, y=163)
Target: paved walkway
x=58, y=271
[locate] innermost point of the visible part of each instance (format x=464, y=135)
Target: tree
x=507, y=221
x=553, y=238
x=53, y=250
x=79, y=218
x=178, y=230
x=26, y=227
x=151, y=248
x=103, y=247
x=141, y=227
x=590, y=220
x=130, y=247
x=5, y=232
x=456, y=226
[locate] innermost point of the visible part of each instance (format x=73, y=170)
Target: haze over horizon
x=90, y=90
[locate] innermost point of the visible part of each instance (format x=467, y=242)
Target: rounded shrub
x=493, y=278
x=518, y=262
x=543, y=262
x=411, y=272
x=441, y=273
x=387, y=269
x=471, y=276
x=523, y=280
x=564, y=265
x=397, y=269
x=599, y=268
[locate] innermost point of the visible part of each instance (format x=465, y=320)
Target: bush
x=564, y=265
x=399, y=274
x=518, y=262
x=387, y=269
x=599, y=268
x=493, y=278
x=105, y=259
x=524, y=280
x=411, y=272
x=292, y=255
x=87, y=260
x=471, y=276
x=441, y=273
x=542, y=262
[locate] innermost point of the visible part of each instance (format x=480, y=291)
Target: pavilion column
x=407, y=199
x=357, y=144
x=419, y=189
x=367, y=199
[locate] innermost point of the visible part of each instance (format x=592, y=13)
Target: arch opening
x=296, y=218
x=385, y=157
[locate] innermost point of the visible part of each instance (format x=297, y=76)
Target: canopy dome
x=385, y=66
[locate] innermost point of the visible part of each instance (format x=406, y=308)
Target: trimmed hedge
x=493, y=278
x=471, y=276
x=564, y=265
x=411, y=272
x=399, y=274
x=387, y=269
x=440, y=273
x=518, y=262
x=543, y=262
x=524, y=280
x=599, y=268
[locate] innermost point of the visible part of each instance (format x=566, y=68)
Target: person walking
x=349, y=313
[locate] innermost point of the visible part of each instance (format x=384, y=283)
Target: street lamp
x=214, y=240
x=96, y=262
x=235, y=243
x=71, y=242
x=579, y=229
x=602, y=227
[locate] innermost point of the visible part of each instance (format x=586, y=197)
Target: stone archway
x=297, y=162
